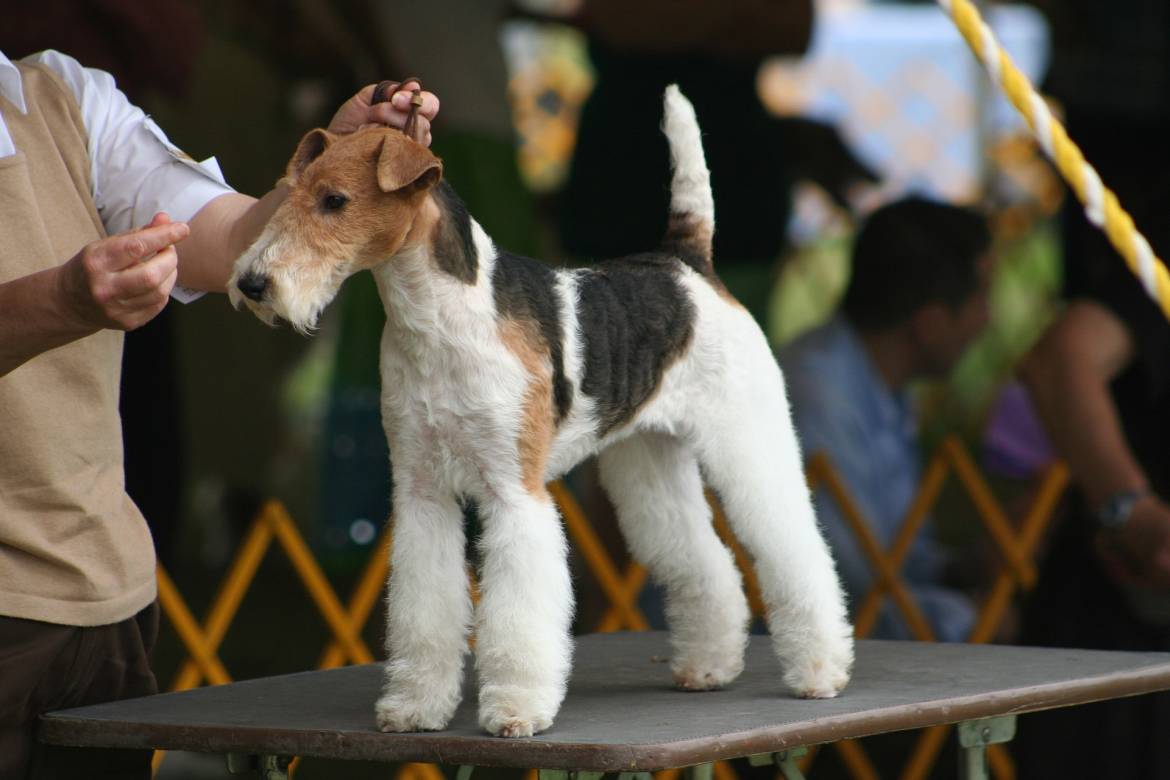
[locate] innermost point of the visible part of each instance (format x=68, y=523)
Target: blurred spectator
x=916, y=299
x=1101, y=381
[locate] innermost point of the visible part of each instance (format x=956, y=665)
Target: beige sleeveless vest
x=73, y=547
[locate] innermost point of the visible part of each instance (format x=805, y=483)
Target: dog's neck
x=437, y=288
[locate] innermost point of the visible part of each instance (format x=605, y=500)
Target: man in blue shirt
x=916, y=298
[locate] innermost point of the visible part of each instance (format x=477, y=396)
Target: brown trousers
x=45, y=667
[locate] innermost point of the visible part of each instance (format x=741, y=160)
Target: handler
x=80, y=169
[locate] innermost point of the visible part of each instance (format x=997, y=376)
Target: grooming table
x=622, y=713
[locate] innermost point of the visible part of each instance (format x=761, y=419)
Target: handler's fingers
x=429, y=108
x=141, y=309
x=161, y=218
x=365, y=94
x=386, y=114
x=430, y=103
x=147, y=277
x=153, y=299
x=125, y=250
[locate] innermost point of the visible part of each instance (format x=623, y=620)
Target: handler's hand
x=357, y=111
x=123, y=282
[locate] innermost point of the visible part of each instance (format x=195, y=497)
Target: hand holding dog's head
x=353, y=203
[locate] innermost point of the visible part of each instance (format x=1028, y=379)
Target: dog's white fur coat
x=455, y=406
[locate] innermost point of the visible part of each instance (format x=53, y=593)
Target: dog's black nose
x=252, y=285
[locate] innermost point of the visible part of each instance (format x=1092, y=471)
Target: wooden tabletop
x=621, y=712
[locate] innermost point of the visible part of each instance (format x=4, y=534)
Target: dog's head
x=352, y=203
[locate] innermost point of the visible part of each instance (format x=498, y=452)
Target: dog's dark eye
x=333, y=202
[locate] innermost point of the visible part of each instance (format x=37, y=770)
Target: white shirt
x=135, y=170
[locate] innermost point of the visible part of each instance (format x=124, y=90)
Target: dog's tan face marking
x=522, y=338
x=354, y=198
x=353, y=202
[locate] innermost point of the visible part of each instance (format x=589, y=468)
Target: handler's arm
x=220, y=232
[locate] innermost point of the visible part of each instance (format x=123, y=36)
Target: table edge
x=433, y=747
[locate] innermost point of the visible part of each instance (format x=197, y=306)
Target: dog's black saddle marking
x=636, y=319
x=634, y=316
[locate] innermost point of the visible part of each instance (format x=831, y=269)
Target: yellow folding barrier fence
x=1015, y=539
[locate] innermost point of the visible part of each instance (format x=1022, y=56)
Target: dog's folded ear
x=405, y=166
x=309, y=149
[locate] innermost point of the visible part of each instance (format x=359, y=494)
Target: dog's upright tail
x=691, y=225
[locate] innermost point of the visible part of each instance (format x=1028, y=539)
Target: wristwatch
x=1115, y=511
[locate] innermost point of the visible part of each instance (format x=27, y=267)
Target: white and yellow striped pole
x=1101, y=204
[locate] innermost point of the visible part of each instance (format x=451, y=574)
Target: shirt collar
x=11, y=85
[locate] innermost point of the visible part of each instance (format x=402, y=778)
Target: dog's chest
x=455, y=411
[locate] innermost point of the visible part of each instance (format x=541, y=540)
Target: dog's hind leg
x=428, y=614
x=749, y=454
x=654, y=483
x=523, y=647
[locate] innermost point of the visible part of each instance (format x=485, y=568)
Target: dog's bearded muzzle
x=254, y=291
x=276, y=289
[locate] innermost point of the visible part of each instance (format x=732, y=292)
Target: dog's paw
x=705, y=674
x=822, y=680
x=822, y=674
x=397, y=713
x=510, y=712
x=516, y=727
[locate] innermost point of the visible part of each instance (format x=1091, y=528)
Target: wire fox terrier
x=500, y=373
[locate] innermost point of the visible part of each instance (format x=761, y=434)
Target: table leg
x=786, y=760
x=975, y=736
x=267, y=767
x=567, y=774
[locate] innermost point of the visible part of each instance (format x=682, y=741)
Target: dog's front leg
x=428, y=614
x=523, y=646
